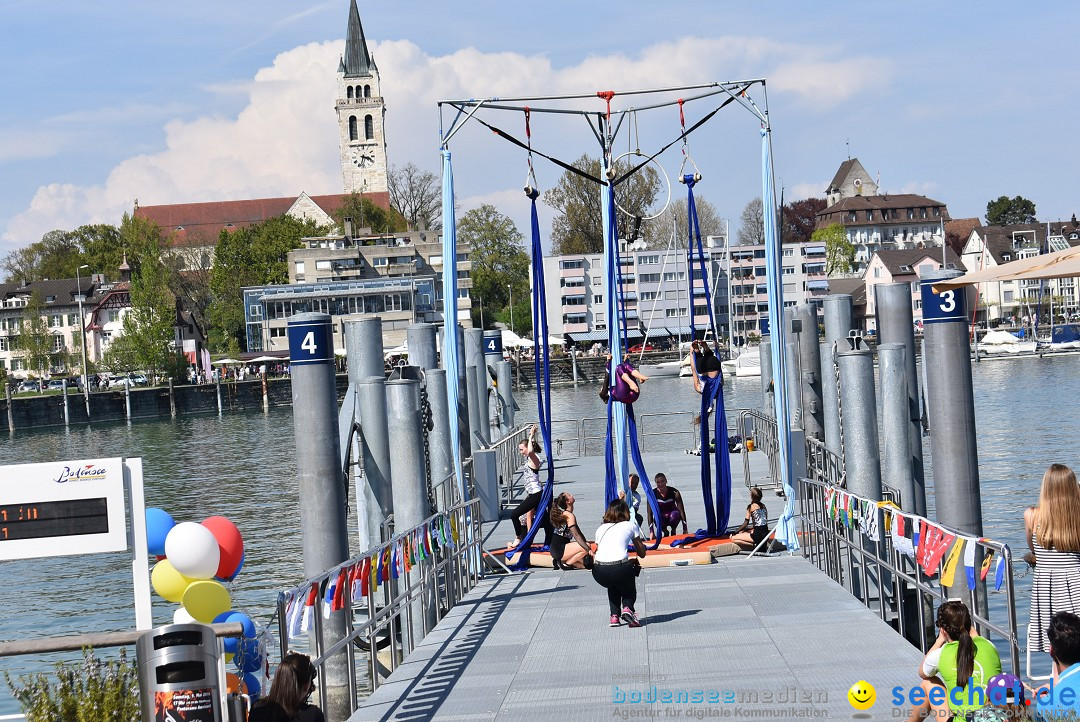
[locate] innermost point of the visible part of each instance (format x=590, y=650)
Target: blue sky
x=176, y=102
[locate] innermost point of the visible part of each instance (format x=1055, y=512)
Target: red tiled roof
x=202, y=223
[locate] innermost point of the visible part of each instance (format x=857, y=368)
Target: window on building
x=651, y=277
x=322, y=265
x=1006, y=257
x=649, y=295
x=869, y=216
x=571, y=264
x=278, y=332
x=4, y=345
x=787, y=252
x=598, y=318
x=926, y=268
x=598, y=281
x=55, y=321
x=463, y=293
x=669, y=276
x=701, y=310
x=369, y=128
x=57, y=344
x=789, y=271
x=380, y=261
x=671, y=313
x=299, y=268
x=671, y=295
x=352, y=128
x=255, y=310
x=851, y=216
x=877, y=272
x=1007, y=296
x=114, y=316
x=597, y=298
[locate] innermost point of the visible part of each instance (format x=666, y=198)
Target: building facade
x=802, y=277
x=61, y=322
x=904, y=266
x=1011, y=301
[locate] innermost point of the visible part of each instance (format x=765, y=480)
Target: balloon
x=168, y=583
x=241, y=618
x=230, y=545
x=204, y=600
x=254, y=687
x=193, y=550
x=235, y=572
x=158, y=525
x=233, y=683
x=248, y=659
x=228, y=658
x=181, y=616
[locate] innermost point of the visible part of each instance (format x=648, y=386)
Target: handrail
x=861, y=565
x=99, y=640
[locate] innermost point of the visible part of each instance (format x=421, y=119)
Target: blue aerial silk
x=451, y=347
x=542, y=369
x=785, y=528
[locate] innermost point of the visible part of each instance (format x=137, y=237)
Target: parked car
x=54, y=385
x=28, y=386
x=642, y=347
x=137, y=379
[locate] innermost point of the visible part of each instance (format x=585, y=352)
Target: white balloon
x=181, y=616
x=192, y=550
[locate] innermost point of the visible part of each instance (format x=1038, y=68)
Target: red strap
x=528, y=130
x=606, y=95
x=682, y=117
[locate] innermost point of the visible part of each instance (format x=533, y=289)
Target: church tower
x=361, y=114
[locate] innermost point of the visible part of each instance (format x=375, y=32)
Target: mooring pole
x=321, y=484
x=838, y=313
x=423, y=349
x=505, y=373
x=442, y=458
x=364, y=348
x=896, y=470
x=765, y=354
x=895, y=324
x=809, y=346
x=862, y=457
x=474, y=367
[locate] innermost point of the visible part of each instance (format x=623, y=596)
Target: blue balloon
x=240, y=617
x=230, y=642
x=158, y=525
x=254, y=688
x=247, y=657
x=237, y=571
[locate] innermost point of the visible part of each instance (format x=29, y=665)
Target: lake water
x=241, y=466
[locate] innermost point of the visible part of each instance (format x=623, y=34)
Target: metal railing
x=762, y=429
x=397, y=612
x=883, y=577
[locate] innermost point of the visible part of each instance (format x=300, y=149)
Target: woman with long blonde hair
x=1053, y=533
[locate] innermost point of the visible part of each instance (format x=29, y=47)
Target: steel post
x=950, y=405
x=493, y=355
x=809, y=347
x=476, y=383
x=364, y=348
x=67, y=412
x=896, y=470
x=895, y=324
x=862, y=457
x=421, y=340
x=322, y=492
x=791, y=359
x=838, y=314
x=505, y=372
x=410, y=489
x=765, y=354
x=374, y=494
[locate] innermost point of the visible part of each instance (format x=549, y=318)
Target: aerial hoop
x=667, y=183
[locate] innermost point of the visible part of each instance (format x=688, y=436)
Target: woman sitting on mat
x=613, y=569
x=755, y=527
x=670, y=502
x=569, y=547
x=530, y=448
x=626, y=389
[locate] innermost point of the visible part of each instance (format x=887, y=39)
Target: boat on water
x=1002, y=342
x=747, y=363
x=662, y=369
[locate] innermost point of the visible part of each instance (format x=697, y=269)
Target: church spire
x=357, y=62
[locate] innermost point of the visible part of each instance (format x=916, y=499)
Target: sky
x=106, y=103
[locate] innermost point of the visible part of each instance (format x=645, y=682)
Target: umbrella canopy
x=225, y=362
x=397, y=351
x=265, y=359
x=1059, y=264
x=555, y=341
x=512, y=340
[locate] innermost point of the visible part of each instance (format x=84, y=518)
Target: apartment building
x=802, y=277
x=892, y=222
x=60, y=299
x=661, y=288
x=989, y=246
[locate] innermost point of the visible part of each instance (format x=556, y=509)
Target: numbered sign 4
x=311, y=342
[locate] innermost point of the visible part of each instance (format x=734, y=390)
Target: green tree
x=752, y=224
x=150, y=323
x=365, y=214
x=578, y=227
x=499, y=263
x=252, y=256
x=56, y=255
x=417, y=195
x=33, y=341
x=102, y=249
x=1007, y=211
x=839, y=252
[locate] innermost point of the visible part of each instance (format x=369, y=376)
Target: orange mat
x=698, y=551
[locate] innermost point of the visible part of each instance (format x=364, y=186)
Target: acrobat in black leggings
x=532, y=502
x=618, y=579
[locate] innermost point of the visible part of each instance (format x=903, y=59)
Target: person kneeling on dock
x=613, y=569
x=569, y=547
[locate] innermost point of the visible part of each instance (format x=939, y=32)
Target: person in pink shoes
x=613, y=568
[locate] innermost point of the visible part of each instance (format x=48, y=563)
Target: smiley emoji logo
x=862, y=695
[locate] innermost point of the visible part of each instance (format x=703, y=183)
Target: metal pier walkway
x=537, y=646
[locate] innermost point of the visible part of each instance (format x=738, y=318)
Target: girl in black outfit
x=564, y=554
x=294, y=682
x=755, y=527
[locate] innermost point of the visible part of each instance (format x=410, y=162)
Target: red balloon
x=229, y=541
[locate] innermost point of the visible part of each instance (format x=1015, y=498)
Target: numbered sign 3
x=311, y=342
x=946, y=306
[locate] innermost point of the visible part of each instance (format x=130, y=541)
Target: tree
x=839, y=252
x=252, y=256
x=799, y=218
x=33, y=341
x=1007, y=211
x=578, y=227
x=417, y=195
x=365, y=214
x=102, y=249
x=498, y=261
x=709, y=222
x=752, y=224
x=56, y=255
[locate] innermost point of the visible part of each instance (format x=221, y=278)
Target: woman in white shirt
x=530, y=449
x=612, y=567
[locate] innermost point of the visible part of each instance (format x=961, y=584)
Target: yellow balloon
x=228, y=657
x=168, y=582
x=204, y=600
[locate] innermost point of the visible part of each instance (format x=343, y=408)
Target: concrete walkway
x=772, y=637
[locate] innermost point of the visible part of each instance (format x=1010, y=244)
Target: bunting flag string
x=308, y=617
x=969, y=564
x=948, y=570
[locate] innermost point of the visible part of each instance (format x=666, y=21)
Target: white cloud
x=285, y=138
x=799, y=191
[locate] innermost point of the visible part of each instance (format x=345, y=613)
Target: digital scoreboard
x=61, y=508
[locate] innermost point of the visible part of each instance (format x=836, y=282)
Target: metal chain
x=840, y=413
x=427, y=424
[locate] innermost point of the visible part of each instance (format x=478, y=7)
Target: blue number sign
x=311, y=342
x=493, y=345
x=944, y=307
